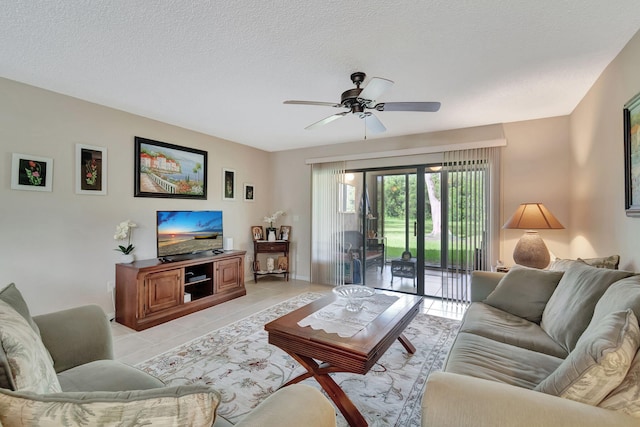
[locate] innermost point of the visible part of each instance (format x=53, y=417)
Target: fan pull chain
x=365, y=128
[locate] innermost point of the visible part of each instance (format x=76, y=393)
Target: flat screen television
x=188, y=232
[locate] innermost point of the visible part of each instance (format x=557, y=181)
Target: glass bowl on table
x=355, y=295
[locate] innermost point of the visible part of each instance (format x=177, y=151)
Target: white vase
x=272, y=236
x=270, y=265
x=127, y=258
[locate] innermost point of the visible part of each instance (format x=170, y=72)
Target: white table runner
x=334, y=318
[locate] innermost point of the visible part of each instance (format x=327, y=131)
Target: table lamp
x=531, y=250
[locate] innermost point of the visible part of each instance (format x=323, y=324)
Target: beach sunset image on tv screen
x=186, y=232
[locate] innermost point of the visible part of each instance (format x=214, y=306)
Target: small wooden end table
x=322, y=353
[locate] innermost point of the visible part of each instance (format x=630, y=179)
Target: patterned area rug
x=238, y=361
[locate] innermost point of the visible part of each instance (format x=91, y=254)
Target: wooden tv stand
x=151, y=292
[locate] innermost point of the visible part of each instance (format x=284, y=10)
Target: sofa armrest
x=459, y=401
x=76, y=336
x=292, y=406
x=483, y=283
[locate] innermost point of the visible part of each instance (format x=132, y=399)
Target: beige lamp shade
x=530, y=250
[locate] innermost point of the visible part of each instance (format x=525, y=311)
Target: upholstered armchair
x=58, y=369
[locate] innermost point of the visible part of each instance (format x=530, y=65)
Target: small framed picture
x=248, y=192
x=91, y=170
x=256, y=265
x=285, y=232
x=257, y=232
x=283, y=263
x=228, y=184
x=33, y=173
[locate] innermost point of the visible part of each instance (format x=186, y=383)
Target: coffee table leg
x=320, y=373
x=406, y=344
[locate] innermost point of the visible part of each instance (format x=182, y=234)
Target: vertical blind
x=472, y=228
x=327, y=224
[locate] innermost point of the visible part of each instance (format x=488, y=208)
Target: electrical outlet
x=250, y=258
x=110, y=286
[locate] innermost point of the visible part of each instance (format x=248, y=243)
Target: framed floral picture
x=249, y=192
x=33, y=173
x=91, y=170
x=228, y=184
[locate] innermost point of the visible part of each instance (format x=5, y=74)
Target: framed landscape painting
x=167, y=170
x=33, y=173
x=91, y=170
x=632, y=156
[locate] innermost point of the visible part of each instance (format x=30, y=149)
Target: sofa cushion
x=482, y=357
x=626, y=397
x=560, y=264
x=490, y=322
x=172, y=406
x=12, y=296
x=524, y=292
x=599, y=362
x=621, y=295
x=106, y=375
x=610, y=262
x=571, y=306
x=30, y=363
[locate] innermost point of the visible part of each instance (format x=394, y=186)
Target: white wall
x=58, y=247
x=599, y=223
x=536, y=168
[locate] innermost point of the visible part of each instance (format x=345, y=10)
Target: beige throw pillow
x=28, y=359
x=170, y=406
x=524, y=292
x=600, y=361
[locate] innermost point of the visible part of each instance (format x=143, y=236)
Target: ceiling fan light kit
x=357, y=100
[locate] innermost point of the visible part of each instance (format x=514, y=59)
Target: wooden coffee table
x=322, y=353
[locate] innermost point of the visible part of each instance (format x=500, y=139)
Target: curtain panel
x=327, y=223
x=472, y=227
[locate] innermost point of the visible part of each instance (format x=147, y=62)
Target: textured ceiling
x=224, y=68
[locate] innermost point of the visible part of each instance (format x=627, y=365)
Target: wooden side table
x=265, y=246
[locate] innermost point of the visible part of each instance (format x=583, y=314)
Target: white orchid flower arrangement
x=271, y=219
x=124, y=230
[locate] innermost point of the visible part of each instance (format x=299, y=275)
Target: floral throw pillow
x=626, y=397
x=599, y=362
x=169, y=406
x=28, y=359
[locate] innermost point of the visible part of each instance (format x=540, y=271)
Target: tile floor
x=133, y=347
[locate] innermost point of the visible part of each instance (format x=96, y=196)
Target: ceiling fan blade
x=326, y=120
x=376, y=87
x=322, y=104
x=429, y=107
x=373, y=123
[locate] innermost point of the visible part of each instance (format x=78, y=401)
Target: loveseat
x=543, y=348
x=58, y=369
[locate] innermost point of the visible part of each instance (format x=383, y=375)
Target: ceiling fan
x=358, y=100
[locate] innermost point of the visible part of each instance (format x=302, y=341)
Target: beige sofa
x=80, y=345
x=543, y=348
